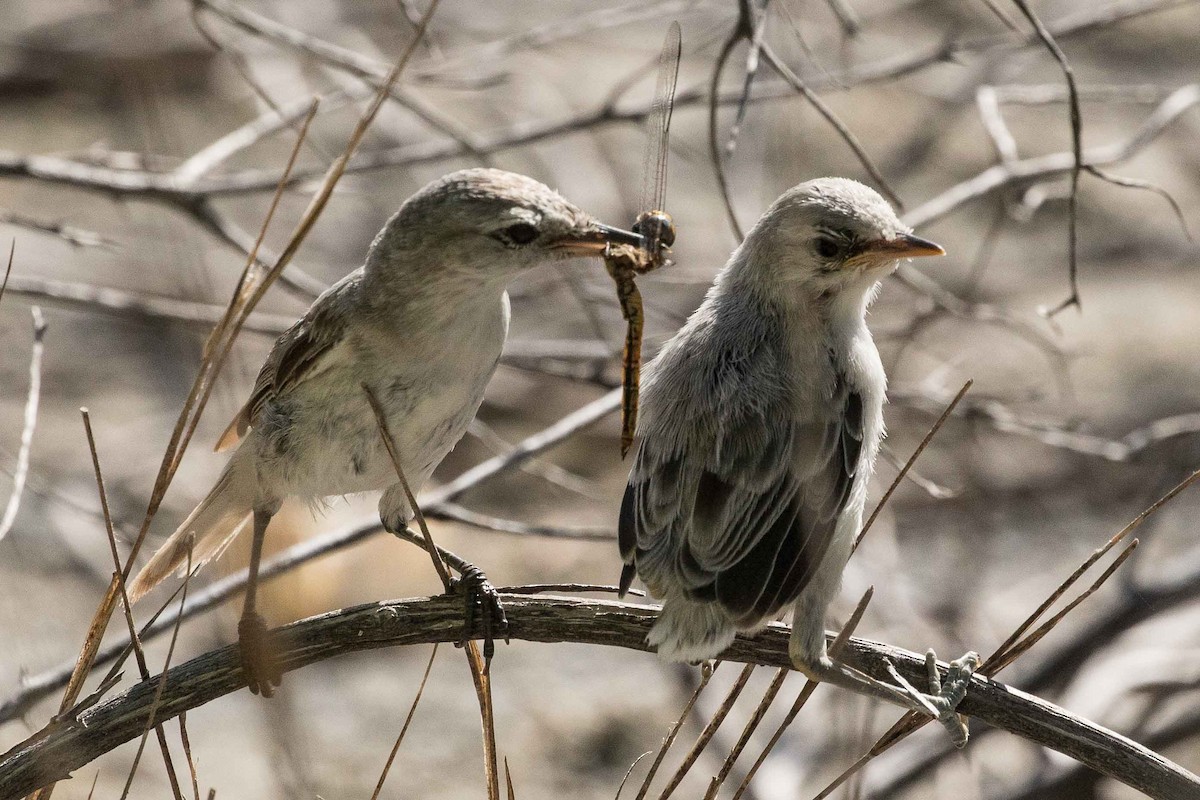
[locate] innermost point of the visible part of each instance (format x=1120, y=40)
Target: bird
x=421, y=325
x=760, y=423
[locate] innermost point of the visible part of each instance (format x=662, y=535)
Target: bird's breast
x=429, y=385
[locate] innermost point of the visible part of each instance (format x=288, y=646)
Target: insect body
x=625, y=262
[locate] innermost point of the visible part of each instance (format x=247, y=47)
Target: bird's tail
x=207, y=531
x=691, y=630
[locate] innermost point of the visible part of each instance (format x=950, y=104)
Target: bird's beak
x=903, y=246
x=595, y=240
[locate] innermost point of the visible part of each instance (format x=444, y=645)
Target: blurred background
x=140, y=143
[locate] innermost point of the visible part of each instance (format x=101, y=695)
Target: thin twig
x=76, y=237
x=389, y=443
x=709, y=731
x=1076, y=150
x=1014, y=644
x=453, y=511
x=1029, y=170
x=911, y=460
x=21, y=472
x=1136, y=183
x=1088, y=562
x=161, y=685
x=741, y=29
x=707, y=669
x=825, y=111
x=806, y=691
x=481, y=677
x=12, y=251
x=187, y=755
x=118, y=570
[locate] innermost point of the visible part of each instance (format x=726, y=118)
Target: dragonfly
x=624, y=261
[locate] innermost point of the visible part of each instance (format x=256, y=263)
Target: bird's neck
x=808, y=313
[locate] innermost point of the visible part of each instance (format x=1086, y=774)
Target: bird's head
x=490, y=223
x=832, y=237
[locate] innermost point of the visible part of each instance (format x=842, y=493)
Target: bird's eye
x=519, y=234
x=827, y=247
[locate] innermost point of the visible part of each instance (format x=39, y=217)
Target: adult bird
x=422, y=324
x=760, y=424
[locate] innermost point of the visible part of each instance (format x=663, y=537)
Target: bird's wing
x=747, y=522
x=296, y=356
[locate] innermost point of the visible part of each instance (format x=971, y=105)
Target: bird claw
x=944, y=696
x=482, y=599
x=259, y=664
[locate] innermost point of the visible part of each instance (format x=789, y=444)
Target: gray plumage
x=760, y=423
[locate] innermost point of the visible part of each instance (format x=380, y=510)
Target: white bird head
x=831, y=237
x=492, y=222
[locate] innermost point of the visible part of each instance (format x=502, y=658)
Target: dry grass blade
x=135, y=642
x=912, y=460
x=706, y=672
x=221, y=341
x=187, y=755
x=1077, y=150
x=483, y=692
x=91, y=644
x=806, y=691
x=710, y=730
x=910, y=722
x=751, y=725
x=158, y=696
x=1018, y=644
x=512, y=795
x=180, y=436
x=1087, y=564
x=31, y=414
x=380, y=419
x=1002, y=659
x=412, y=709
x=629, y=772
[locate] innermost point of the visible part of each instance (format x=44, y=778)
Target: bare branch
x=1076, y=152
x=70, y=744
x=76, y=237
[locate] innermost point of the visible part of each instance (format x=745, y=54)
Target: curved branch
x=68, y=744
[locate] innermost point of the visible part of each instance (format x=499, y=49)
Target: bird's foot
x=259, y=663
x=944, y=696
x=482, y=599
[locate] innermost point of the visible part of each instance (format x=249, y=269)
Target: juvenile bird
x=422, y=324
x=760, y=423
